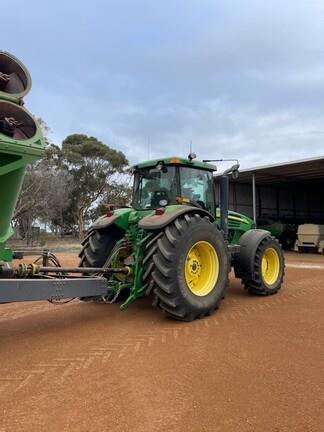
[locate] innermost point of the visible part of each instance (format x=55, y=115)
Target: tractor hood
x=235, y=218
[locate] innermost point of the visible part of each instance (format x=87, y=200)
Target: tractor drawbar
x=29, y=282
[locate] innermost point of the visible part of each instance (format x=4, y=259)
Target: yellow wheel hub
x=270, y=266
x=201, y=268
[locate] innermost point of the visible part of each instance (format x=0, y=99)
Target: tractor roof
x=177, y=161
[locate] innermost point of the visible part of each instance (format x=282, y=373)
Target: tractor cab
x=171, y=181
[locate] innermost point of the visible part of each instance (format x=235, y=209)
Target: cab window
x=197, y=185
x=154, y=188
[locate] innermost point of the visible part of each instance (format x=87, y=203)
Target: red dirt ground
x=257, y=364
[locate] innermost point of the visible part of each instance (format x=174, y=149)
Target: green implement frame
x=21, y=142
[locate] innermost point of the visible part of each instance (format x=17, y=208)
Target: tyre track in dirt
x=26, y=388
x=29, y=310
x=61, y=368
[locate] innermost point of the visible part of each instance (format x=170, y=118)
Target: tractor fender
x=243, y=262
x=156, y=222
x=104, y=222
x=118, y=217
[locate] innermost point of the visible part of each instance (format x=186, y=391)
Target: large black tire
x=97, y=247
x=261, y=283
x=172, y=291
x=148, y=263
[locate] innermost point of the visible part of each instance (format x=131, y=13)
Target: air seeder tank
x=21, y=141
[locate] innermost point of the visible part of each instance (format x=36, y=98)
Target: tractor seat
x=159, y=195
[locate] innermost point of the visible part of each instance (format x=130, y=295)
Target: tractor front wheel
x=191, y=268
x=268, y=268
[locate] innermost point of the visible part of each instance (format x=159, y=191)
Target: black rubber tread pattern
x=98, y=245
x=148, y=263
x=171, y=292
x=256, y=285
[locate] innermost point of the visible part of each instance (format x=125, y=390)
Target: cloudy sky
x=242, y=79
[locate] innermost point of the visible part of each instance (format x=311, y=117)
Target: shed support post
x=254, y=198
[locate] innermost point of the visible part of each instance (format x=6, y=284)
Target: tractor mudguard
x=118, y=217
x=104, y=222
x=243, y=261
x=155, y=222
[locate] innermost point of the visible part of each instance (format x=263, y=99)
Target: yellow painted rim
x=116, y=260
x=270, y=266
x=201, y=268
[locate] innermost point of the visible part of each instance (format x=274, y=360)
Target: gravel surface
x=257, y=364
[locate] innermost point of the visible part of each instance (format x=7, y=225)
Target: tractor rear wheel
x=97, y=248
x=191, y=268
x=268, y=268
x=98, y=245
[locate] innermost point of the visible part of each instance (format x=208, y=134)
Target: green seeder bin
x=21, y=141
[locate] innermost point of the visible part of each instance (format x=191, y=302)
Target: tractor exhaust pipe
x=224, y=196
x=224, y=190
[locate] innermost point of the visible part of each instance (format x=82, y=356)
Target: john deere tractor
x=177, y=242
x=177, y=245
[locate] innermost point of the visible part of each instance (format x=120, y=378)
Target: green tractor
x=175, y=243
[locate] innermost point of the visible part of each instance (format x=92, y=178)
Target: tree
x=44, y=195
x=30, y=199
x=92, y=165
x=65, y=187
x=116, y=195
x=43, y=126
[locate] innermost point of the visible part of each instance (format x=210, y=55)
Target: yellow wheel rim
x=270, y=266
x=201, y=268
x=116, y=260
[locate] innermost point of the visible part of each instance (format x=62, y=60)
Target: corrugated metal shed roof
x=299, y=170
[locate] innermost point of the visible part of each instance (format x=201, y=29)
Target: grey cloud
x=239, y=79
